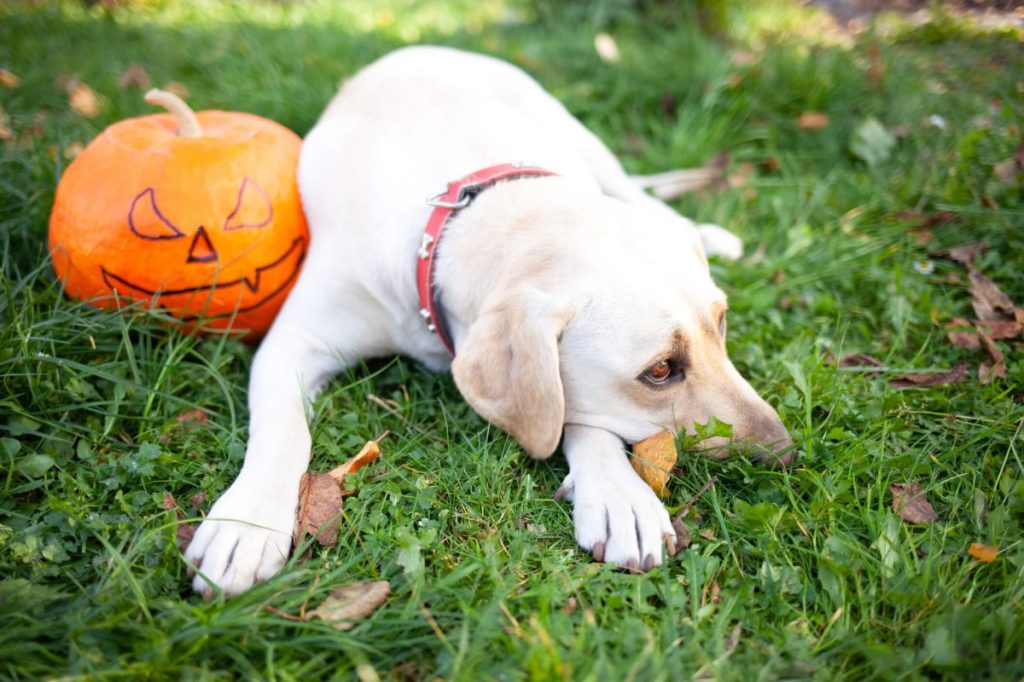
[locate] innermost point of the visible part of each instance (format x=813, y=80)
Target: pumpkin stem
x=188, y=123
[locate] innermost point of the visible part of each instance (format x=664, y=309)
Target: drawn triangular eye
x=253, y=208
x=146, y=220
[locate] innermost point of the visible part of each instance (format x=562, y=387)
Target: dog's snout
x=769, y=440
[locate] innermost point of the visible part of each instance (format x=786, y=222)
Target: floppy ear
x=507, y=369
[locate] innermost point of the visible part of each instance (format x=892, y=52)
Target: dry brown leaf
x=348, y=604
x=984, y=553
x=964, y=254
x=987, y=371
x=909, y=501
x=926, y=379
x=571, y=604
x=989, y=301
x=6, y=134
x=176, y=88
x=72, y=151
x=8, y=79
x=197, y=500
x=876, y=70
x=1001, y=329
x=1007, y=171
x=653, y=459
x=964, y=339
x=319, y=506
x=84, y=101
x=133, y=77
x=860, y=360
x=683, y=537
x=184, y=532
x=369, y=453
x=812, y=120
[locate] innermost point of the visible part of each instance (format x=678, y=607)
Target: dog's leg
x=247, y=534
x=617, y=516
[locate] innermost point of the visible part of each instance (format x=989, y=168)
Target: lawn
x=856, y=161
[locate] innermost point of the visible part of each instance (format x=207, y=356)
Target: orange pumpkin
x=198, y=214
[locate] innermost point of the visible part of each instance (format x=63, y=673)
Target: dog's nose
x=768, y=440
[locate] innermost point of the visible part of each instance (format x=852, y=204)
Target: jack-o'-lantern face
x=204, y=224
x=215, y=261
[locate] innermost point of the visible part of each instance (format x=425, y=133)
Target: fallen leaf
x=860, y=360
x=984, y=553
x=812, y=120
x=989, y=302
x=6, y=134
x=134, y=77
x=1007, y=171
x=571, y=604
x=1002, y=329
x=72, y=151
x=909, y=501
x=8, y=79
x=871, y=142
x=84, y=101
x=606, y=47
x=741, y=57
x=987, y=371
x=369, y=453
x=348, y=604
x=653, y=459
x=183, y=535
x=876, y=70
x=964, y=339
x=183, y=532
x=713, y=590
x=964, y=254
x=683, y=537
x=319, y=506
x=197, y=500
x=176, y=88
x=927, y=379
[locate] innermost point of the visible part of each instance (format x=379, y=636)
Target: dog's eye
x=659, y=373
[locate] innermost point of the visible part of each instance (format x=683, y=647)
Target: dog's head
x=625, y=333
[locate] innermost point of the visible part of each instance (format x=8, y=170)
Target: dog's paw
x=719, y=241
x=620, y=522
x=245, y=538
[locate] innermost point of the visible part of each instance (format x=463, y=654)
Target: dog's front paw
x=620, y=521
x=245, y=538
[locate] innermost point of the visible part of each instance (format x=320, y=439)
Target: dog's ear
x=507, y=369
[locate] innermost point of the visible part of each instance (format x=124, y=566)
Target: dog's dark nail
x=561, y=493
x=633, y=565
x=598, y=551
x=670, y=545
x=649, y=562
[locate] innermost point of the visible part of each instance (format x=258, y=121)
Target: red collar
x=458, y=196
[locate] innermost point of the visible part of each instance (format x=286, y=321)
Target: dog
x=579, y=309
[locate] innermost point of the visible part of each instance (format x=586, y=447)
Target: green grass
x=816, y=576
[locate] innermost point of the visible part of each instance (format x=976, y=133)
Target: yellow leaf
x=84, y=101
x=653, y=460
x=985, y=553
x=8, y=79
x=812, y=120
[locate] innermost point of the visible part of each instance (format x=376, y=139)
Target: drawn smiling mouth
x=276, y=276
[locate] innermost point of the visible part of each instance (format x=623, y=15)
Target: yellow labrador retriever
x=580, y=310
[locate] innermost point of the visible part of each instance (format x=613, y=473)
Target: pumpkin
x=197, y=214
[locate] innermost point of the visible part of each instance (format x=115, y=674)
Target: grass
x=806, y=573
